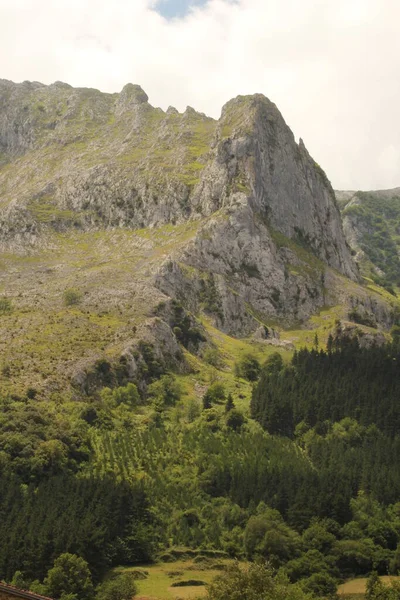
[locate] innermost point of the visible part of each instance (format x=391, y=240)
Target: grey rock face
x=365, y=339
x=279, y=177
x=163, y=342
x=270, y=226
x=236, y=271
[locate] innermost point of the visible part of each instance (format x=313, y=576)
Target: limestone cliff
x=114, y=160
x=256, y=156
x=269, y=227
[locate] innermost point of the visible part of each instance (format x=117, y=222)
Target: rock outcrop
x=270, y=228
x=256, y=157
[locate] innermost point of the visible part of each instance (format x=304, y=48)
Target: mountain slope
x=371, y=224
x=117, y=161
x=133, y=208
x=150, y=263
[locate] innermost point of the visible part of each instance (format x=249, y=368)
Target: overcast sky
x=332, y=67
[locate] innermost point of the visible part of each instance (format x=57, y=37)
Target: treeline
x=313, y=487
x=103, y=521
x=342, y=407
x=320, y=387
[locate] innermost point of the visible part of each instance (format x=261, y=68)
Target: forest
x=308, y=481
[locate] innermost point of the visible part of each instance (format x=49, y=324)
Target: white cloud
x=331, y=67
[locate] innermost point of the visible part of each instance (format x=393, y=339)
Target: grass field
x=156, y=581
x=160, y=578
x=356, y=587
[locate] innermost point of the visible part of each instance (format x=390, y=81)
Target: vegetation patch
x=188, y=583
x=357, y=587
x=376, y=218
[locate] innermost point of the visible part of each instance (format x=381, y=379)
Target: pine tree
x=329, y=345
x=206, y=401
x=229, y=403
x=316, y=341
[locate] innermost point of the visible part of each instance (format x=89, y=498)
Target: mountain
x=107, y=160
x=371, y=225
x=158, y=271
x=111, y=210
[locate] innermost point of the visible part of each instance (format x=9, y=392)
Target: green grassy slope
x=375, y=217
x=42, y=340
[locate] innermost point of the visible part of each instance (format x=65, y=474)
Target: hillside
x=123, y=480
x=193, y=370
x=371, y=225
x=126, y=207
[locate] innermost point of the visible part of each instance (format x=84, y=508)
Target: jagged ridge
x=81, y=158
x=134, y=206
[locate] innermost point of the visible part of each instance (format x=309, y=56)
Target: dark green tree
x=248, y=367
x=229, y=403
x=207, y=401
x=235, y=419
x=70, y=578
x=375, y=590
x=122, y=587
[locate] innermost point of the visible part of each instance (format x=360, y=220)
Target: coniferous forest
x=310, y=482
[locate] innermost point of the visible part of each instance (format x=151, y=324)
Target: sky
x=332, y=68
x=177, y=8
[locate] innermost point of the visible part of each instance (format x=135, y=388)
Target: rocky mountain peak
x=371, y=226
x=244, y=109
x=256, y=154
x=80, y=160
x=131, y=95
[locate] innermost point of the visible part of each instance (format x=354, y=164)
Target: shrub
x=122, y=587
x=5, y=305
x=38, y=588
x=128, y=395
x=248, y=368
x=229, y=403
x=211, y=356
x=150, y=368
x=235, y=419
x=70, y=577
x=320, y=584
x=72, y=296
x=209, y=295
x=31, y=393
x=252, y=583
x=192, y=410
x=364, y=318
x=188, y=583
x=215, y=393
x=20, y=581
x=166, y=391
